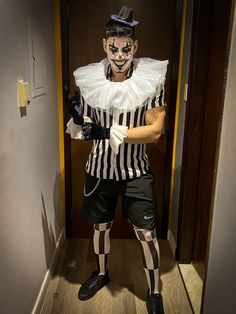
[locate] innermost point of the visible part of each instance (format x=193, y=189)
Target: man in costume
x=121, y=108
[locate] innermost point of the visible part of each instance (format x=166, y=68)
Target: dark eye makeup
x=125, y=49
x=113, y=48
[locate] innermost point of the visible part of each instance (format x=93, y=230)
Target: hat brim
x=116, y=18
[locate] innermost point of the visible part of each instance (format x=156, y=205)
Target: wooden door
x=211, y=29
x=155, y=34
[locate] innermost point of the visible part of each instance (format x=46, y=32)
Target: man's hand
x=75, y=107
x=93, y=131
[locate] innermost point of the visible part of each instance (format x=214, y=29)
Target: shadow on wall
x=49, y=239
x=57, y=205
x=51, y=234
x=23, y=111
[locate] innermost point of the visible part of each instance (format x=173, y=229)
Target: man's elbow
x=158, y=127
x=157, y=136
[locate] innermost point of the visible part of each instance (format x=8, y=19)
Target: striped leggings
x=150, y=252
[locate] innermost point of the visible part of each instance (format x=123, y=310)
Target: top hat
x=125, y=17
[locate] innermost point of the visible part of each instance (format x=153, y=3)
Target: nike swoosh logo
x=148, y=217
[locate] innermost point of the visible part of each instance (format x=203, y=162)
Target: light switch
x=23, y=91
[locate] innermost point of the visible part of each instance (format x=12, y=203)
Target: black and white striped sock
x=150, y=257
x=101, y=243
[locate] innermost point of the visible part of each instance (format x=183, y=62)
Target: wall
x=29, y=160
x=221, y=274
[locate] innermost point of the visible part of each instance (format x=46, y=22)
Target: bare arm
x=152, y=131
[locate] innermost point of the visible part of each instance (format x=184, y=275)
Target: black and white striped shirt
x=131, y=160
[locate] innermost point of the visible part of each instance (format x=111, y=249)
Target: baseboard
x=43, y=290
x=171, y=239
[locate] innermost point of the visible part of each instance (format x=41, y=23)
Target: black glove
x=75, y=107
x=93, y=131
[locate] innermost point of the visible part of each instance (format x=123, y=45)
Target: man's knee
x=103, y=226
x=145, y=234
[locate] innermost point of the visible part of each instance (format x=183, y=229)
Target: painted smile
x=119, y=63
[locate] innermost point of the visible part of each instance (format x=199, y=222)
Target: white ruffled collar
x=101, y=93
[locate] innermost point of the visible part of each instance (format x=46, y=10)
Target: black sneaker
x=154, y=304
x=92, y=285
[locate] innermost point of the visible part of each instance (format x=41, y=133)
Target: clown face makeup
x=120, y=52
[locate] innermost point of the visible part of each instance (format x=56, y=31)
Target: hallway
x=35, y=206
x=126, y=292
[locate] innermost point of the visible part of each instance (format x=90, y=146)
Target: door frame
x=170, y=121
x=212, y=25
x=174, y=69
x=67, y=140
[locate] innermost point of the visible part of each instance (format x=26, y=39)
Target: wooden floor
x=126, y=292
x=193, y=284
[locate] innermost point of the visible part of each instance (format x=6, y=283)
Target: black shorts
x=138, y=201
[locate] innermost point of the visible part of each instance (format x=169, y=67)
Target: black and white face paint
x=120, y=52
